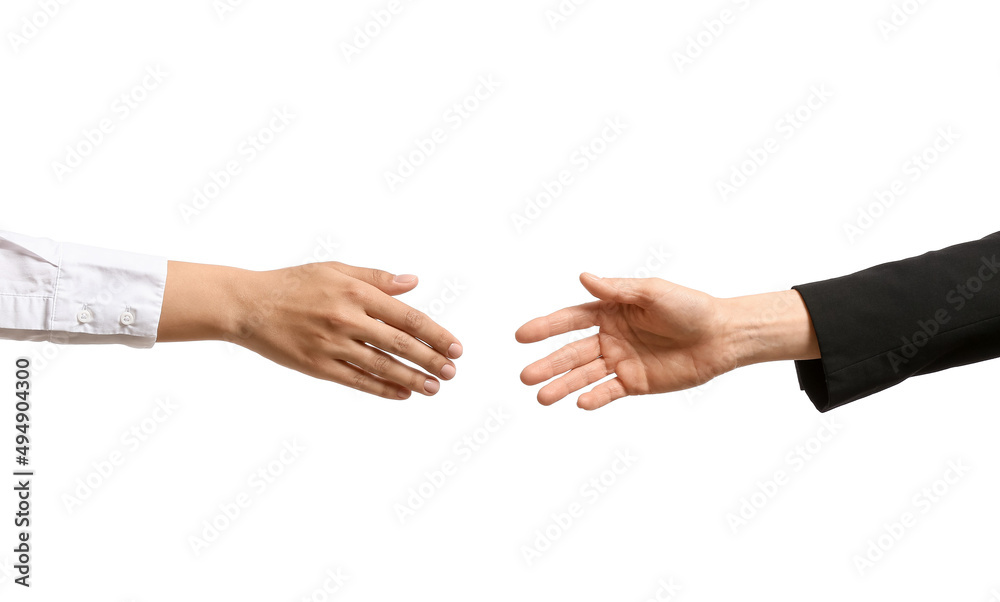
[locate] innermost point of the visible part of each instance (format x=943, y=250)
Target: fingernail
x=403, y=393
x=448, y=372
x=404, y=278
x=431, y=386
x=455, y=351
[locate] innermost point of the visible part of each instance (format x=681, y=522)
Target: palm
x=657, y=340
x=656, y=351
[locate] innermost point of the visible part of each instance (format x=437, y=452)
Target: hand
x=328, y=320
x=657, y=337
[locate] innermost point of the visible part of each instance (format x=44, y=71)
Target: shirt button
x=84, y=316
x=127, y=318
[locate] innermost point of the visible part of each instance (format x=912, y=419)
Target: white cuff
x=70, y=293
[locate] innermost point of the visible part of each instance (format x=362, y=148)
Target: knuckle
x=595, y=372
x=401, y=342
x=432, y=362
x=445, y=339
x=566, y=360
x=311, y=364
x=359, y=294
x=380, y=365
x=337, y=318
x=606, y=309
x=417, y=382
x=376, y=275
x=573, y=356
x=360, y=381
x=414, y=318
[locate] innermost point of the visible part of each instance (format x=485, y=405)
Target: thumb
x=387, y=282
x=630, y=291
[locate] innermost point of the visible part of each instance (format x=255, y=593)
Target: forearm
x=769, y=327
x=200, y=302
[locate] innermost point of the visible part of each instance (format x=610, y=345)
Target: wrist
x=203, y=302
x=236, y=295
x=769, y=327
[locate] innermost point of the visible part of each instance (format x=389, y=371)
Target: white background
x=655, y=187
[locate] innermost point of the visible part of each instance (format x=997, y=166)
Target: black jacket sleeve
x=882, y=325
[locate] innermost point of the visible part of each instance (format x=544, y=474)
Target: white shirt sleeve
x=70, y=293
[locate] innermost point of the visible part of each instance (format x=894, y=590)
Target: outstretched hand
x=655, y=337
x=329, y=320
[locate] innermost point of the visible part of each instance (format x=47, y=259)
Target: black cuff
x=879, y=326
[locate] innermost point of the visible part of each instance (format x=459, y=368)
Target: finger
x=383, y=365
x=395, y=341
x=602, y=394
x=351, y=376
x=575, y=380
x=416, y=323
x=387, y=282
x=631, y=291
x=562, y=321
x=571, y=356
